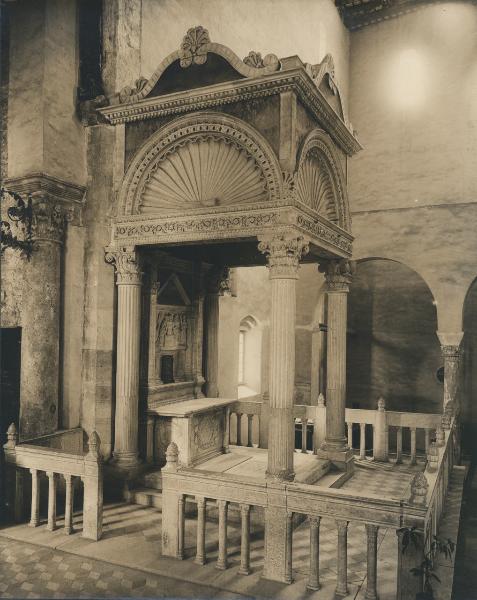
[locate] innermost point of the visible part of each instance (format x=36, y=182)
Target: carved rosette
x=338, y=274
x=283, y=253
x=127, y=265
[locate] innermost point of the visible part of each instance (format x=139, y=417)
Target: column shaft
x=342, y=559
x=211, y=310
x=68, y=505
x=180, y=527
x=35, y=499
x=201, y=508
x=245, y=540
x=314, y=577
x=413, y=446
x=222, y=556
x=372, y=561
x=289, y=553
x=51, y=501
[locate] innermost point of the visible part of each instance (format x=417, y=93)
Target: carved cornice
x=357, y=14
x=294, y=79
x=126, y=263
x=57, y=192
x=283, y=253
x=338, y=274
x=233, y=223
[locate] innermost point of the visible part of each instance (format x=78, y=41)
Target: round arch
x=393, y=349
x=320, y=181
x=199, y=161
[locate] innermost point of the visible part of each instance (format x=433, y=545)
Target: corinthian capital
x=127, y=265
x=48, y=219
x=218, y=281
x=283, y=254
x=338, y=274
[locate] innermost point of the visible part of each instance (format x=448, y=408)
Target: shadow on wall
x=469, y=395
x=393, y=349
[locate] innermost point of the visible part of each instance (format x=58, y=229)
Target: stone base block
x=341, y=459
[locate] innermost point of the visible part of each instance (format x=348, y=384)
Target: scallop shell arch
x=199, y=161
x=320, y=182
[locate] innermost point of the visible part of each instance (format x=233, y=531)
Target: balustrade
x=69, y=466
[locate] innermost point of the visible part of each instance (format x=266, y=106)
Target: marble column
x=314, y=577
x=283, y=254
x=51, y=501
x=338, y=275
x=128, y=281
x=342, y=559
x=41, y=316
x=222, y=556
x=452, y=355
x=217, y=285
x=201, y=514
x=35, y=498
x=69, y=504
x=372, y=561
x=245, y=540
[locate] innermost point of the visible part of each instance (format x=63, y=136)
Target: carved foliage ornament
x=194, y=47
x=283, y=254
x=172, y=331
x=126, y=263
x=218, y=281
x=338, y=274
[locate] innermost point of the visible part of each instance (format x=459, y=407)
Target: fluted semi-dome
x=199, y=173
x=314, y=187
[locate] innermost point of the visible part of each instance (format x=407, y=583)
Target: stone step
x=145, y=497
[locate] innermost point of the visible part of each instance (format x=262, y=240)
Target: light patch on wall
x=409, y=80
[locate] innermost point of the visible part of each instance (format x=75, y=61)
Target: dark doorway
x=167, y=369
x=10, y=393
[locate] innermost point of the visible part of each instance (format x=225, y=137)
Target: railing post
x=413, y=446
x=304, y=426
x=171, y=506
x=35, y=499
x=342, y=559
x=245, y=540
x=180, y=527
x=68, y=505
x=380, y=442
x=201, y=510
x=249, y=430
x=349, y=427
x=362, y=441
x=239, y=428
x=93, y=490
x=314, y=577
x=222, y=556
x=372, y=561
x=51, y=500
x=399, y=445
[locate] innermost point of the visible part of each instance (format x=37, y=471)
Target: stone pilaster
x=128, y=281
x=283, y=254
x=338, y=275
x=217, y=285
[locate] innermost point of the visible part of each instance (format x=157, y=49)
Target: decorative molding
x=199, y=128
x=126, y=264
x=218, y=281
x=283, y=253
x=48, y=219
x=295, y=79
x=357, y=14
x=195, y=47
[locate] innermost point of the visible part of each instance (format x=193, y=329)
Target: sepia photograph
x=238, y=299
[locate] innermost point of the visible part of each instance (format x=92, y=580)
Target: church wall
x=307, y=28
x=412, y=189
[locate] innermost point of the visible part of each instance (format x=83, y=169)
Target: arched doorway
x=393, y=350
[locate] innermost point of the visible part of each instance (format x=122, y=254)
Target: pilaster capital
x=283, y=253
x=342, y=526
x=314, y=521
x=371, y=530
x=338, y=274
x=126, y=262
x=218, y=281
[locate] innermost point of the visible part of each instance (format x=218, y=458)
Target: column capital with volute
x=338, y=274
x=127, y=264
x=217, y=281
x=283, y=252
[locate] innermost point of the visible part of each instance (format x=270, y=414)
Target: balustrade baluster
x=249, y=430
x=180, y=527
x=222, y=556
x=314, y=576
x=304, y=425
x=372, y=561
x=350, y=434
x=399, y=445
x=35, y=499
x=51, y=501
x=413, y=446
x=201, y=508
x=342, y=559
x=289, y=552
x=245, y=540
x=68, y=504
x=239, y=429
x=362, y=441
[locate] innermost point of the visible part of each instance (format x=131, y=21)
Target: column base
x=341, y=458
x=313, y=588
x=283, y=475
x=244, y=571
x=125, y=460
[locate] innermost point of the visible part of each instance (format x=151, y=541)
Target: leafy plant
x=412, y=536
x=20, y=213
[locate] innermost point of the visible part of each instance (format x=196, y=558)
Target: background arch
x=393, y=349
